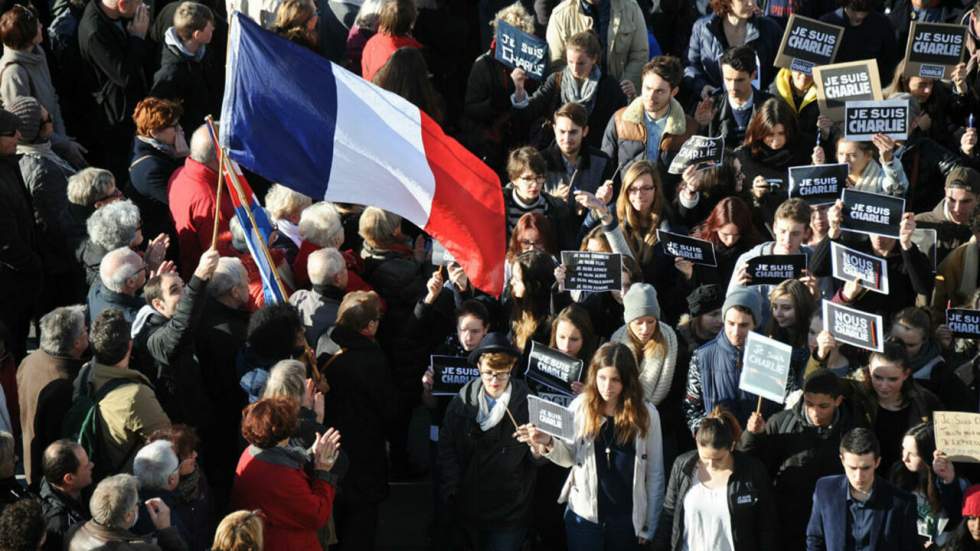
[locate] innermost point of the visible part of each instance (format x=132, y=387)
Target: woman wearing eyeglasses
x=488, y=476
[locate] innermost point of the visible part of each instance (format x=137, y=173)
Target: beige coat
x=627, y=49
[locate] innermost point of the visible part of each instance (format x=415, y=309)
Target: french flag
x=298, y=119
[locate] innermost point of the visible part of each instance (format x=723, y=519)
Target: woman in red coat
x=394, y=31
x=271, y=476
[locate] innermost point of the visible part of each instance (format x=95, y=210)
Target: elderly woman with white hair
x=285, y=207
x=320, y=226
x=115, y=506
x=393, y=263
x=116, y=225
x=288, y=379
x=255, y=290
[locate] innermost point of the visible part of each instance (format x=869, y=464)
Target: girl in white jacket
x=616, y=486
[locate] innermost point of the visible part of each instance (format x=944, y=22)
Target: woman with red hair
x=729, y=228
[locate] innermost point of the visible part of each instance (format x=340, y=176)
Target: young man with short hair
x=789, y=227
x=526, y=169
x=727, y=112
x=573, y=165
x=951, y=217
x=799, y=446
x=856, y=510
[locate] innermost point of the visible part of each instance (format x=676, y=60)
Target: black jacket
x=61, y=512
x=20, y=262
x=197, y=84
x=874, y=38
x=797, y=454
x=114, y=72
x=361, y=406
x=926, y=163
x=164, y=349
x=487, y=476
x=723, y=122
x=149, y=172
x=750, y=503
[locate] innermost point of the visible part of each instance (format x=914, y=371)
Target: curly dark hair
x=22, y=526
x=272, y=331
x=267, y=422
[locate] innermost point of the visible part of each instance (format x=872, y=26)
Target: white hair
x=324, y=265
x=229, y=274
x=154, y=464
x=238, y=233
x=282, y=202
x=287, y=378
x=117, y=266
x=60, y=328
x=114, y=225
x=89, y=186
x=114, y=498
x=320, y=224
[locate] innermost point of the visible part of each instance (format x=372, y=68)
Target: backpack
x=83, y=422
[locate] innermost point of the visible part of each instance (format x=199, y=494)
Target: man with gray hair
x=191, y=194
x=318, y=307
x=44, y=382
x=156, y=466
x=115, y=507
x=122, y=274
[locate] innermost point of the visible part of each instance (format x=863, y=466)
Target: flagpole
x=217, y=202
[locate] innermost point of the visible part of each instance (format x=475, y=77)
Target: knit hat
x=964, y=178
x=639, y=301
x=971, y=501
x=704, y=299
x=9, y=122
x=745, y=298
x=28, y=112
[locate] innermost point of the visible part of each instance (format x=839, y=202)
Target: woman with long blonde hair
x=641, y=207
x=616, y=487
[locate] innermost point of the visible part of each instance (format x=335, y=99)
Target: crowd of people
x=155, y=396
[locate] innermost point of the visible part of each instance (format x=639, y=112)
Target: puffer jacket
x=708, y=42
x=581, y=490
x=750, y=505
x=806, y=108
x=627, y=48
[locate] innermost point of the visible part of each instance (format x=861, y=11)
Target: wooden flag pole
x=217, y=202
x=512, y=420
x=758, y=405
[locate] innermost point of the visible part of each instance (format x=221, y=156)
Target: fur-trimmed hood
x=676, y=121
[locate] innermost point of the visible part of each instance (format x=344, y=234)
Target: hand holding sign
x=885, y=146
x=705, y=111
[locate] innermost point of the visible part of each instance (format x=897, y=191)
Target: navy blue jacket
x=708, y=42
x=893, y=523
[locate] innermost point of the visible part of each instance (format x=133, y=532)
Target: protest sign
x=851, y=265
x=853, y=326
x=552, y=369
x=765, y=367
x=585, y=271
x=872, y=213
x=808, y=43
x=772, y=269
x=450, y=373
x=562, y=400
x=864, y=119
x=963, y=322
x=701, y=151
x=696, y=250
x=551, y=418
x=518, y=50
x=934, y=49
x=817, y=184
x=958, y=435
x=842, y=82
x=440, y=256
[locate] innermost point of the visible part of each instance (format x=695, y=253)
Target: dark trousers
x=488, y=538
x=357, y=524
x=608, y=535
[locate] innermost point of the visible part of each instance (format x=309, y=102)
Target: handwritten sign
x=958, y=435
x=551, y=368
x=808, y=43
x=765, y=367
x=872, y=213
x=551, y=418
x=963, y=322
x=696, y=250
x=772, y=269
x=700, y=151
x=853, y=326
x=817, y=184
x=851, y=265
x=596, y=272
x=840, y=83
x=864, y=119
x=450, y=374
x=519, y=50
x=934, y=49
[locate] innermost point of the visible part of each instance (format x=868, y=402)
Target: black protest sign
x=596, y=272
x=519, y=50
x=853, y=327
x=808, y=43
x=773, y=269
x=700, y=151
x=696, y=250
x=450, y=373
x=553, y=369
x=934, y=49
x=850, y=265
x=872, y=213
x=864, y=119
x=963, y=323
x=551, y=418
x=817, y=184
x=765, y=367
x=840, y=83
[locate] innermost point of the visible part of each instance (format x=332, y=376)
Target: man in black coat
x=189, y=69
x=799, y=446
x=67, y=472
x=361, y=405
x=727, y=112
x=112, y=41
x=20, y=260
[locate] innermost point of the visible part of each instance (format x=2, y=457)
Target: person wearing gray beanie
x=639, y=301
x=653, y=343
x=746, y=298
x=28, y=110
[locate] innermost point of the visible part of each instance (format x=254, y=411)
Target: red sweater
x=294, y=505
x=379, y=48
x=191, y=195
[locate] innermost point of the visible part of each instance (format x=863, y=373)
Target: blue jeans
x=609, y=535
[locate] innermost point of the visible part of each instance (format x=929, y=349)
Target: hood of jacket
x=174, y=44
x=676, y=121
x=27, y=58
x=784, y=88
